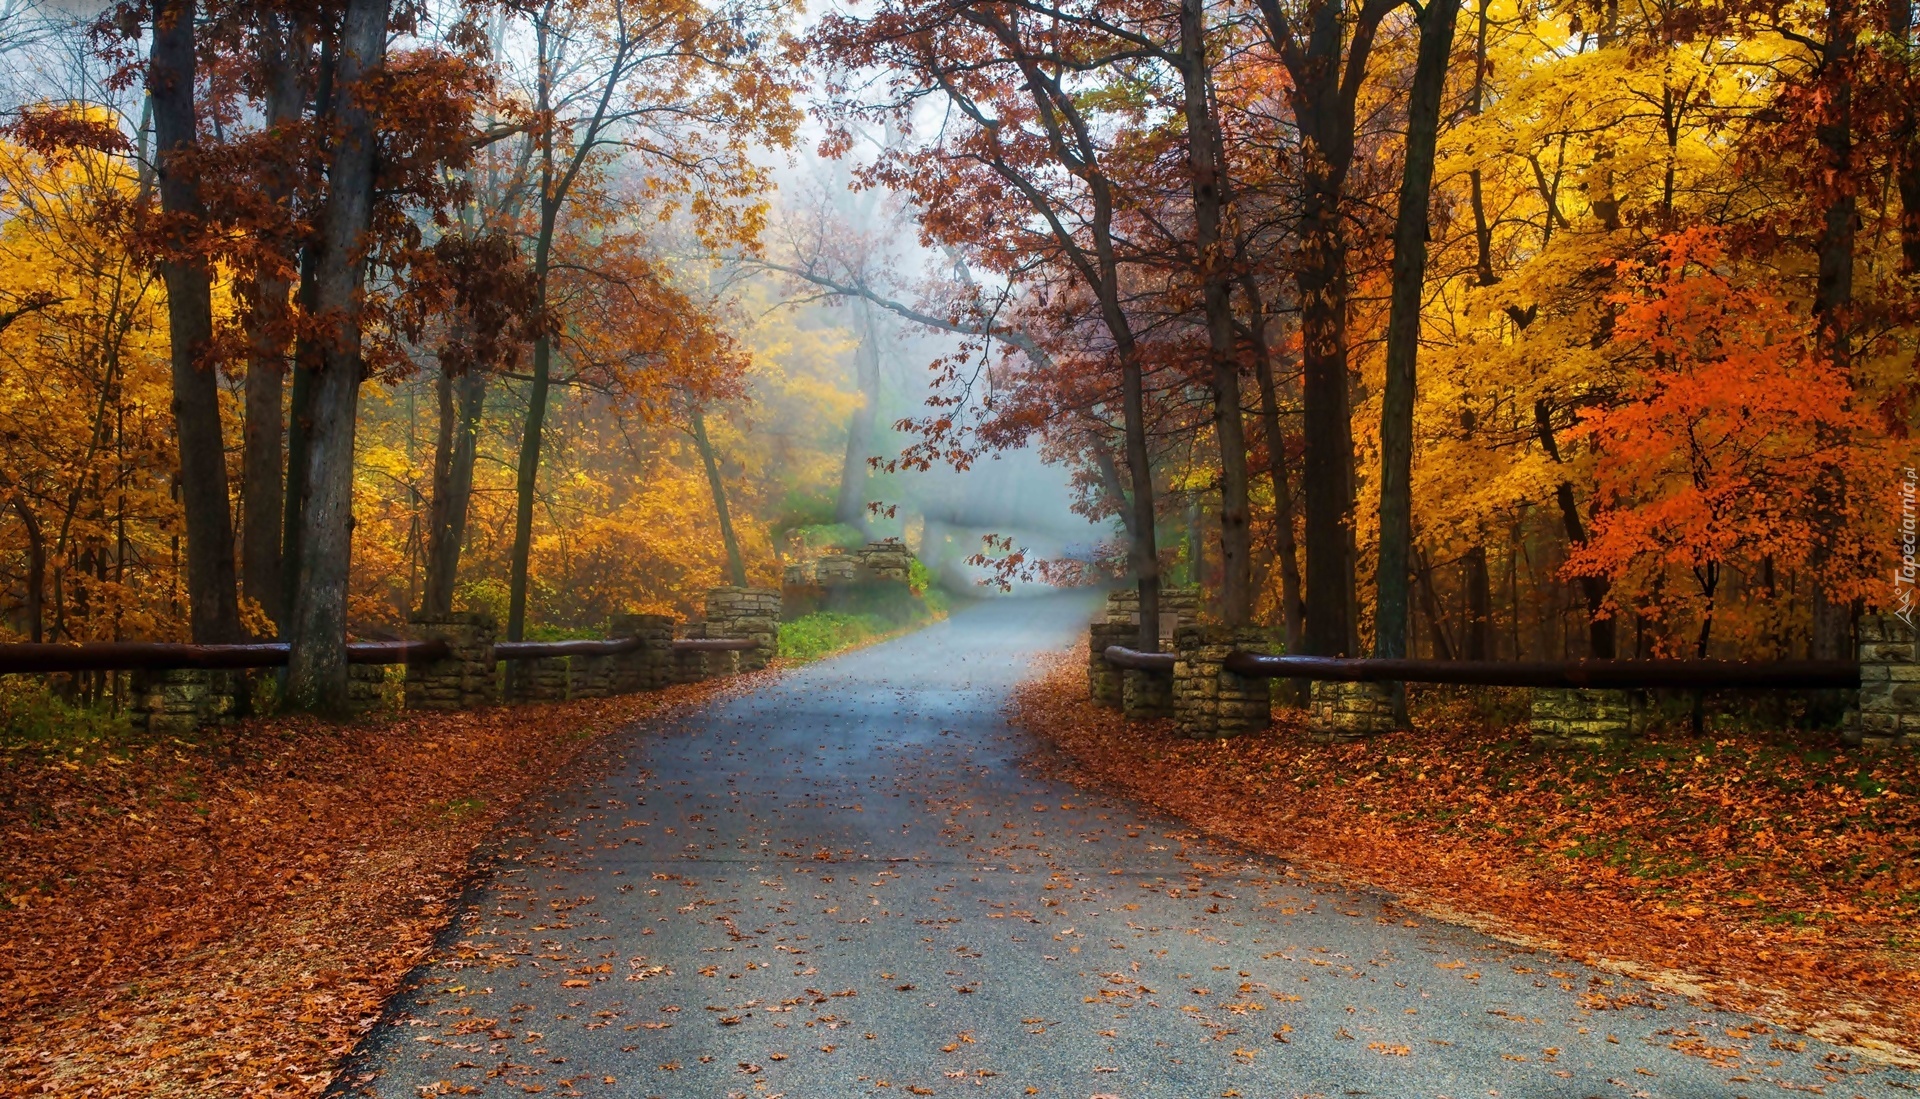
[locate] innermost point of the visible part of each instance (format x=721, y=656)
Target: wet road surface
x=845, y=883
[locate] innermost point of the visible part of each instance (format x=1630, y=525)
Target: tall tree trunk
x=1600, y=631
x=317, y=661
x=850, y=506
x=1479, y=600
x=307, y=351
x=213, y=600
x=462, y=400
x=1206, y=167
x=1391, y=607
x=36, y=568
x=1292, y=611
x=736, y=567
x=1326, y=68
x=268, y=329
x=1833, y=299
x=527, y=473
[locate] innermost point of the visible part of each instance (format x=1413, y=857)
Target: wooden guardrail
x=158, y=656
x=1603, y=674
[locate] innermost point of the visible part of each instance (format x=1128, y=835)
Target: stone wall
x=885, y=560
x=467, y=677
x=176, y=701
x=1209, y=700
x=1349, y=711
x=1178, y=607
x=366, y=687
x=1888, y=713
x=1146, y=694
x=1103, y=679
x=1565, y=717
x=746, y=612
x=650, y=667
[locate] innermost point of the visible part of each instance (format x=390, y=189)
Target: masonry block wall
x=1103, y=679
x=1574, y=718
x=1888, y=712
x=466, y=677
x=746, y=612
x=174, y=701
x=1349, y=711
x=650, y=667
x=1210, y=701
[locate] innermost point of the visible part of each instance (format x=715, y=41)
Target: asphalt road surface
x=846, y=883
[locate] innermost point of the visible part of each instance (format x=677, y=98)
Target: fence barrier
x=1215, y=682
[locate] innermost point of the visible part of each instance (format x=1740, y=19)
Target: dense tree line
x=1471, y=329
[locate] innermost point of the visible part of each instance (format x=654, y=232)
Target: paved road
x=846, y=884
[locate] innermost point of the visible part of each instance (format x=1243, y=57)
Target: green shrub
x=823, y=633
x=32, y=715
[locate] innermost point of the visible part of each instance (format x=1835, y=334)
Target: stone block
x=1564, y=717
x=1209, y=700
x=1350, y=711
x=1103, y=679
x=746, y=612
x=649, y=667
x=1146, y=694
x=1886, y=710
x=467, y=676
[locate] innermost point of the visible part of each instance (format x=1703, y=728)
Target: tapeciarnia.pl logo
x=1904, y=573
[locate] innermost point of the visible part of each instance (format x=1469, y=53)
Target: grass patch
x=34, y=718
x=824, y=633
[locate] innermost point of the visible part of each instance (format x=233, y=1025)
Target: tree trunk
x=1600, y=632
x=1479, y=601
x=736, y=567
x=1833, y=300
x=36, y=568
x=213, y=601
x=462, y=399
x=1291, y=608
x=850, y=507
x=1403, y=331
x=1206, y=167
x=268, y=329
x=307, y=352
x=317, y=660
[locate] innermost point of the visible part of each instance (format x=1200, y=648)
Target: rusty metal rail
x=536, y=650
x=1616, y=674
x=154, y=655
x=714, y=644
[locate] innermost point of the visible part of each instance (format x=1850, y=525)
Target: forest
x=1472, y=330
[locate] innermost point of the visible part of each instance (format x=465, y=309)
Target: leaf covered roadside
x=228, y=917
x=1768, y=876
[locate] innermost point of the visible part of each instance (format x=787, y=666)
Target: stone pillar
x=1349, y=711
x=1209, y=700
x=178, y=701
x=1103, y=679
x=746, y=612
x=591, y=677
x=541, y=680
x=366, y=687
x=1178, y=607
x=1566, y=717
x=1146, y=694
x=650, y=667
x=694, y=666
x=467, y=677
x=1888, y=710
